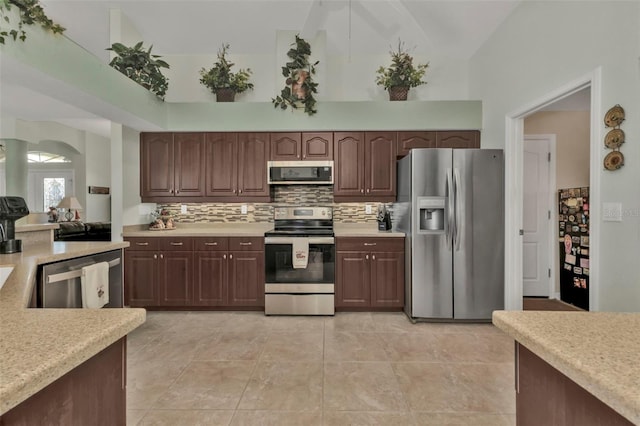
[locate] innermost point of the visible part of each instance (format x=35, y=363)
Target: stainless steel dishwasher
x=59, y=283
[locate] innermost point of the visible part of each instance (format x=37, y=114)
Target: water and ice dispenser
x=431, y=215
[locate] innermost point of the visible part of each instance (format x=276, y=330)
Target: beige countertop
x=362, y=230
x=38, y=346
x=597, y=350
x=251, y=230
x=255, y=229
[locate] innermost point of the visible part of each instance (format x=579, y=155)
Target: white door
x=537, y=220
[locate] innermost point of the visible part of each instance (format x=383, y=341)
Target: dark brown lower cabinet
x=198, y=272
x=94, y=393
x=369, y=272
x=157, y=271
x=545, y=396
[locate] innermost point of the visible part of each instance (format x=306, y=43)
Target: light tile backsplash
x=283, y=195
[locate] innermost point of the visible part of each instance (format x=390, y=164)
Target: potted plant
x=224, y=83
x=401, y=75
x=300, y=87
x=30, y=12
x=141, y=66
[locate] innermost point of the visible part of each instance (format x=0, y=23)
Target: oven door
x=282, y=277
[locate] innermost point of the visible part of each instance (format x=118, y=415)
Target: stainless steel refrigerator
x=451, y=208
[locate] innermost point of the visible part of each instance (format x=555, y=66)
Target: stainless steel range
x=300, y=262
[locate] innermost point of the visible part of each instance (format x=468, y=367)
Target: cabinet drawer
x=211, y=244
x=246, y=243
x=177, y=243
x=143, y=243
x=370, y=244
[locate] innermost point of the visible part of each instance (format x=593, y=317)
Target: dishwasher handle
x=74, y=274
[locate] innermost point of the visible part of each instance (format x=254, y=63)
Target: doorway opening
x=514, y=191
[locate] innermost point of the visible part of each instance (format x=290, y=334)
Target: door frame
x=552, y=231
x=514, y=140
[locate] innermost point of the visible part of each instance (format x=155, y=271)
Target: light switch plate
x=612, y=212
x=367, y=209
x=183, y=209
x=243, y=209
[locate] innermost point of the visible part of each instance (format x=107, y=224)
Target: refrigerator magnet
x=575, y=240
x=583, y=283
x=584, y=263
x=576, y=282
x=567, y=266
x=568, y=242
x=584, y=251
x=577, y=270
x=584, y=240
x=585, y=271
x=571, y=259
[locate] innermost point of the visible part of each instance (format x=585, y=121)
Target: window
x=48, y=187
x=53, y=191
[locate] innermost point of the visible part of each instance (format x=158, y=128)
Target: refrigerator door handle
x=449, y=226
x=457, y=202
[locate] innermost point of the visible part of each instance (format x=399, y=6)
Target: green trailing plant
x=141, y=66
x=30, y=13
x=402, y=72
x=300, y=87
x=220, y=75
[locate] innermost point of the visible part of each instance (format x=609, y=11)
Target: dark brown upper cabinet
x=172, y=165
x=295, y=146
x=365, y=166
x=237, y=166
x=458, y=139
x=410, y=140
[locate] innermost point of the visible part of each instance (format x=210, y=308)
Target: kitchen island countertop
x=38, y=346
x=597, y=350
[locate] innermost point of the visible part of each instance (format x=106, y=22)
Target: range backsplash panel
x=283, y=195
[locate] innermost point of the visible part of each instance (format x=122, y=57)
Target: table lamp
x=69, y=203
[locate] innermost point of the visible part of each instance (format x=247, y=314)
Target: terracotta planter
x=296, y=87
x=398, y=93
x=225, y=95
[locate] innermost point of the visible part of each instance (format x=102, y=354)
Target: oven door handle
x=289, y=240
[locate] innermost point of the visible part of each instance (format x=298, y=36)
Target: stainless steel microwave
x=300, y=172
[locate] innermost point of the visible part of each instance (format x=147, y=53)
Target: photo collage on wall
x=573, y=232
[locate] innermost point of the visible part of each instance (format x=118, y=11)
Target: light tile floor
x=243, y=368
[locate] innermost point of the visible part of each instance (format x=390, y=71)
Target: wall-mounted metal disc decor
x=614, y=138
x=614, y=117
x=614, y=160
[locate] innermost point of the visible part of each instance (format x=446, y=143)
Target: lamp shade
x=69, y=203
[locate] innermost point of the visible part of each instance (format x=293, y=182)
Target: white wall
x=98, y=173
x=134, y=212
x=545, y=45
x=572, y=148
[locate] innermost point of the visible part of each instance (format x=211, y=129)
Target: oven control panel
x=305, y=213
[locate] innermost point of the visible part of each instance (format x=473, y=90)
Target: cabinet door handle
x=373, y=256
x=172, y=191
x=362, y=191
x=210, y=244
x=366, y=257
x=240, y=191
x=368, y=190
x=370, y=244
x=224, y=256
x=176, y=244
x=161, y=256
x=230, y=256
x=155, y=256
x=142, y=244
x=245, y=244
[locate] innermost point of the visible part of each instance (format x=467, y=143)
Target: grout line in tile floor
x=381, y=328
